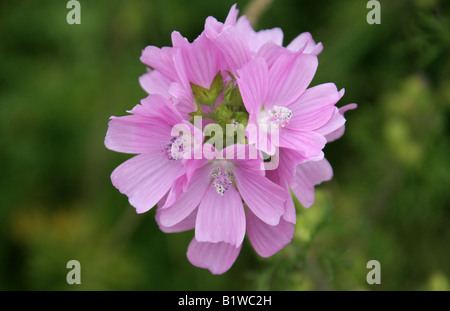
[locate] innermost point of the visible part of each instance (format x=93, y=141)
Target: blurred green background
x=389, y=199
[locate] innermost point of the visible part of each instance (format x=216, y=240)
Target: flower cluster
x=228, y=129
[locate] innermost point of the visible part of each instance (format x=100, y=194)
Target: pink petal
x=314, y=107
x=336, y=122
x=332, y=129
x=159, y=59
x=247, y=157
x=221, y=218
x=153, y=82
x=261, y=37
x=201, y=60
x=265, y=198
x=289, y=77
x=136, y=134
x=309, y=144
x=268, y=240
x=160, y=108
x=216, y=257
x=178, y=40
x=186, y=224
x=306, y=44
x=308, y=175
x=183, y=99
x=145, y=179
x=232, y=16
x=187, y=201
x=289, y=159
x=290, y=215
x=256, y=40
x=253, y=83
x=277, y=177
x=235, y=50
x=271, y=52
x=175, y=191
x=214, y=27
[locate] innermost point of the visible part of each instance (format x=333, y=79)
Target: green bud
x=223, y=113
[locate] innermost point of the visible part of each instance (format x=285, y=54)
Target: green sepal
x=207, y=97
x=241, y=117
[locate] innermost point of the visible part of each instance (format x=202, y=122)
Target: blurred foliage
x=389, y=199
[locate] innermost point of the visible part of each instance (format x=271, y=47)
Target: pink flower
x=240, y=43
x=147, y=177
x=215, y=208
x=175, y=68
x=278, y=97
x=235, y=78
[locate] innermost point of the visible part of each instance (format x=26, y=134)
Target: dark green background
x=389, y=199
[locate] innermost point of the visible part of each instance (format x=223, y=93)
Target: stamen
x=222, y=179
x=281, y=116
x=175, y=148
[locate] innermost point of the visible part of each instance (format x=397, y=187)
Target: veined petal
x=271, y=52
x=159, y=59
x=288, y=161
x=186, y=224
x=290, y=215
x=261, y=37
x=160, y=108
x=216, y=257
x=253, y=83
x=183, y=99
x=221, y=218
x=265, y=198
x=187, y=201
x=178, y=40
x=232, y=16
x=154, y=82
x=145, y=179
x=289, y=77
x=213, y=27
x=332, y=129
x=266, y=239
x=177, y=188
x=136, y=134
x=314, y=107
x=305, y=43
x=309, y=144
x=202, y=61
x=308, y=175
x=235, y=50
x=255, y=39
x=335, y=123
x=247, y=157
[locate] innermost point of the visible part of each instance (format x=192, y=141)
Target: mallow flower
x=229, y=129
x=148, y=132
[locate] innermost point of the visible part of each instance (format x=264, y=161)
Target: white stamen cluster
x=175, y=148
x=281, y=116
x=222, y=179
